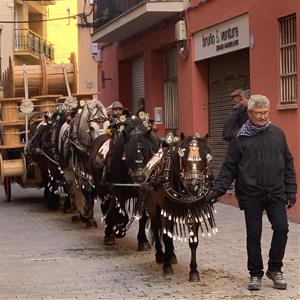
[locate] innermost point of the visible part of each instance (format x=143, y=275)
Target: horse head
x=191, y=161
x=141, y=143
x=93, y=121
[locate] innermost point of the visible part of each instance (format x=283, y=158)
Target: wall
x=63, y=33
x=109, y=65
x=6, y=33
x=87, y=65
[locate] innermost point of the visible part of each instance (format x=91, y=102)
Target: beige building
x=30, y=38
x=6, y=33
x=88, y=54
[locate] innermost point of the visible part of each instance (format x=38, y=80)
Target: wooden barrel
x=45, y=103
x=43, y=79
x=13, y=167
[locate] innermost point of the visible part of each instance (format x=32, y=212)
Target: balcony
x=28, y=43
x=116, y=20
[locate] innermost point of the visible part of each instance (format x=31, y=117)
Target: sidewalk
x=44, y=256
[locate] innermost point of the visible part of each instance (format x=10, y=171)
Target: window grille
x=170, y=89
x=288, y=60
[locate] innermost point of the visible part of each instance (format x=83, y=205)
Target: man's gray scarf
x=249, y=130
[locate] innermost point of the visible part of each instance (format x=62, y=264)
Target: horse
x=41, y=149
x=76, y=140
x=117, y=166
x=174, y=194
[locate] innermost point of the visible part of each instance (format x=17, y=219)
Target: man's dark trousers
x=276, y=212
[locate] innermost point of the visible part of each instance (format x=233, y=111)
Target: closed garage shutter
x=226, y=74
x=137, y=82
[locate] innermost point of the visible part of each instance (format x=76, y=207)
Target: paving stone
x=43, y=255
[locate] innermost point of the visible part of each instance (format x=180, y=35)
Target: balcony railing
x=26, y=40
x=107, y=10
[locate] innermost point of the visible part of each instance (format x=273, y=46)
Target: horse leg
x=155, y=228
x=108, y=212
x=88, y=219
x=67, y=205
x=194, y=274
x=169, y=250
x=143, y=243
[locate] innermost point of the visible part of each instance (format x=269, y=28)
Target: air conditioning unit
x=94, y=48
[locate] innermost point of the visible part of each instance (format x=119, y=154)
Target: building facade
x=186, y=57
x=23, y=34
x=6, y=33
x=73, y=35
x=30, y=32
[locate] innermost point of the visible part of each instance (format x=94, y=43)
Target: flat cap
x=236, y=93
x=117, y=104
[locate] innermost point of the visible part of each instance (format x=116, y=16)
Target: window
x=288, y=60
x=170, y=88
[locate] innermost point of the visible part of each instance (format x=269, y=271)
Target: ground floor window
x=288, y=60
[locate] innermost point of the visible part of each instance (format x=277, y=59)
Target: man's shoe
x=254, y=284
x=279, y=282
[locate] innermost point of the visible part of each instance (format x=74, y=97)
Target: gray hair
x=258, y=101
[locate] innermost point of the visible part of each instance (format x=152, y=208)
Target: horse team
x=83, y=155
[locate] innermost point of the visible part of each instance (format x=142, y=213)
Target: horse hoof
x=144, y=246
x=173, y=259
x=83, y=219
x=159, y=258
x=168, y=270
x=120, y=233
x=52, y=207
x=91, y=224
x=194, y=277
x=109, y=240
x=75, y=219
x=67, y=210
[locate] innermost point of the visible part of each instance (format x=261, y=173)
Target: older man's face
x=259, y=116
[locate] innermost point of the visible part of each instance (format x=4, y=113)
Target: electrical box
x=180, y=30
x=94, y=48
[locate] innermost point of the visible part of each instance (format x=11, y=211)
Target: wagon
x=48, y=85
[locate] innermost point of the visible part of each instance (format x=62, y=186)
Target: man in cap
x=117, y=109
x=239, y=114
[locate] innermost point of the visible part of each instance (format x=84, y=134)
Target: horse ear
x=182, y=136
x=206, y=137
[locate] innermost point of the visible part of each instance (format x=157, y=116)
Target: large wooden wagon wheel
x=7, y=188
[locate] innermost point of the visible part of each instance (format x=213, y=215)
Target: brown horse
x=175, y=199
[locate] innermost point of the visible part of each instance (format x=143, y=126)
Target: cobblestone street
x=45, y=256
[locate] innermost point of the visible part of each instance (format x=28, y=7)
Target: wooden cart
x=47, y=84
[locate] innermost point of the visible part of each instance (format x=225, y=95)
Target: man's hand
x=212, y=197
x=291, y=202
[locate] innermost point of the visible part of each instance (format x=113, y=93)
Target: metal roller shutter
x=137, y=81
x=226, y=74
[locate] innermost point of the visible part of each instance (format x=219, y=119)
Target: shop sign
x=226, y=37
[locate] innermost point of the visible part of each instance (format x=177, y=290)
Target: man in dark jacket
x=258, y=158
x=239, y=114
